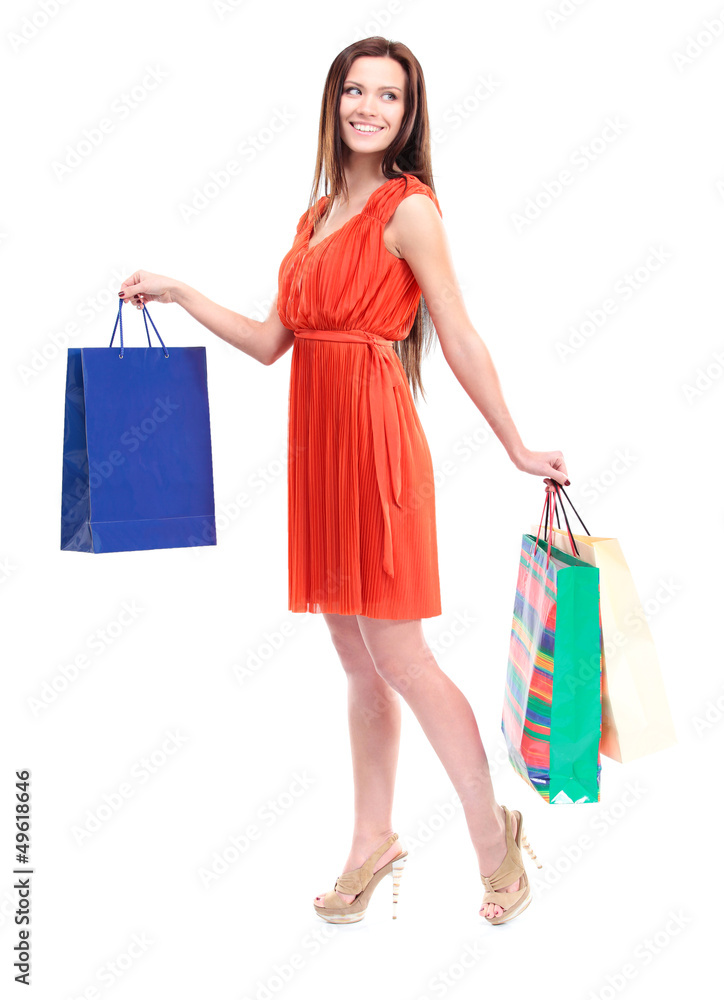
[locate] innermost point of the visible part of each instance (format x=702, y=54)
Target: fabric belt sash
x=386, y=438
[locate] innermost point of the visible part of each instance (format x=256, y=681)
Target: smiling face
x=373, y=97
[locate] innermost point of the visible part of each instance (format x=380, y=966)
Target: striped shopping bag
x=552, y=704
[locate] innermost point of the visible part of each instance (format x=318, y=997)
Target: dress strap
x=390, y=195
x=303, y=220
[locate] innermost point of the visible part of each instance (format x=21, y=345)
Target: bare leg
x=403, y=658
x=373, y=710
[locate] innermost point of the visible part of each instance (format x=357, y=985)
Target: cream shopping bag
x=635, y=715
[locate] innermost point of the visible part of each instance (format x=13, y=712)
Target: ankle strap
x=353, y=882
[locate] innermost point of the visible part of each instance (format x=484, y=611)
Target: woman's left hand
x=548, y=464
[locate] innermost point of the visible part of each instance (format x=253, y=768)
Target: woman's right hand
x=143, y=286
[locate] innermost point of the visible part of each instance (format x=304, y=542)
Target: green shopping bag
x=552, y=703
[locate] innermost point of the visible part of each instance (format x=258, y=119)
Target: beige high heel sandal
x=362, y=882
x=508, y=871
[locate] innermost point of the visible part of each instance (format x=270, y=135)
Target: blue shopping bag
x=137, y=470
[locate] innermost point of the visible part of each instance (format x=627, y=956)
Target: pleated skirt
x=335, y=516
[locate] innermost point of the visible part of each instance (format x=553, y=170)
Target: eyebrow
x=386, y=87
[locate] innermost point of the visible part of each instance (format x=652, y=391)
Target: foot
x=359, y=855
x=490, y=859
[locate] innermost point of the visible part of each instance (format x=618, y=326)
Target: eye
x=387, y=92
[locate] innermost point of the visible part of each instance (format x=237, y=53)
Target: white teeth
x=366, y=128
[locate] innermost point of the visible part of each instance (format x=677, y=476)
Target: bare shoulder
x=416, y=217
x=421, y=240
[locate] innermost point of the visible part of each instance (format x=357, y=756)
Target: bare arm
x=265, y=341
x=421, y=239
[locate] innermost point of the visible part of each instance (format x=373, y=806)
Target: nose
x=367, y=107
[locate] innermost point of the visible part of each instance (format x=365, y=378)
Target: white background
x=67, y=243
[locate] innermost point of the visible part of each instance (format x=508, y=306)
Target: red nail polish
x=567, y=482
x=122, y=294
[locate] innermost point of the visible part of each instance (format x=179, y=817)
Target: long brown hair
x=410, y=149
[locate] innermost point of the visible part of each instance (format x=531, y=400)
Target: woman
x=362, y=542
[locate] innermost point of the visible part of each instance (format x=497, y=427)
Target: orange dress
x=360, y=486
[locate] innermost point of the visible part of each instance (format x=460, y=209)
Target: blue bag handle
x=119, y=323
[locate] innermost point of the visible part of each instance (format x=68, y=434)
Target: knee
x=352, y=652
x=401, y=669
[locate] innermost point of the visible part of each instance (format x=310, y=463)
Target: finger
x=139, y=300
x=552, y=482
x=559, y=472
x=131, y=280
